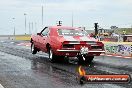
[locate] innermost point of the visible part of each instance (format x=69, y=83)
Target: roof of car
x=63, y=27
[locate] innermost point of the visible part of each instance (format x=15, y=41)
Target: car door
x=43, y=39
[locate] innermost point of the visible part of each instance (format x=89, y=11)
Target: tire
x=89, y=59
x=33, y=49
x=80, y=59
x=52, y=57
x=60, y=59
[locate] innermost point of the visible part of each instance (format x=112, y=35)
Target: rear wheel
x=80, y=59
x=52, y=57
x=89, y=59
x=33, y=49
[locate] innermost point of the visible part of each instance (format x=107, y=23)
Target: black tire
x=89, y=59
x=60, y=59
x=54, y=58
x=33, y=49
x=80, y=59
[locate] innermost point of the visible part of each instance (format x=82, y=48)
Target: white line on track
x=102, y=54
x=118, y=56
x=108, y=55
x=1, y=86
x=27, y=45
x=1, y=41
x=127, y=57
x=11, y=42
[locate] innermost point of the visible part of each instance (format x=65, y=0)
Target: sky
x=84, y=12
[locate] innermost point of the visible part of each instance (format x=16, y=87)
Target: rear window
x=72, y=32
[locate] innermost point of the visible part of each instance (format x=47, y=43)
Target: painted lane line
x=108, y=55
x=20, y=44
x=27, y=45
x=127, y=57
x=11, y=42
x=1, y=86
x=1, y=41
x=24, y=44
x=118, y=56
x=102, y=54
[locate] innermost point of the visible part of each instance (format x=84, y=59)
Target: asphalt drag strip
x=18, y=64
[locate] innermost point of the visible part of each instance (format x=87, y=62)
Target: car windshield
x=72, y=32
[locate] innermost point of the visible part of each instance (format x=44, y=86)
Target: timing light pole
x=96, y=28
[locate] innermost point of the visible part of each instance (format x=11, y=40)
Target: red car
x=60, y=41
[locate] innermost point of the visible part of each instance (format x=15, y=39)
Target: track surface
x=20, y=69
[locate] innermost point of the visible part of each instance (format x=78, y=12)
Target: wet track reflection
x=20, y=69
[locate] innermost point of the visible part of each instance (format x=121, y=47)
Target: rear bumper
x=68, y=50
x=90, y=51
x=73, y=53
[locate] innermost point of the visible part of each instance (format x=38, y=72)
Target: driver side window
x=45, y=32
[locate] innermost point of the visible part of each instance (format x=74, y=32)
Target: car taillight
x=100, y=44
x=66, y=42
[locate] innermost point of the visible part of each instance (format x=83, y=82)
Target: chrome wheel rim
x=51, y=55
x=32, y=48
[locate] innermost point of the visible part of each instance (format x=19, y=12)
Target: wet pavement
x=20, y=69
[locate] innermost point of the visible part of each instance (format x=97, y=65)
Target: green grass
x=120, y=30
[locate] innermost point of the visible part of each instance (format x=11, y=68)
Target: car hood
x=76, y=38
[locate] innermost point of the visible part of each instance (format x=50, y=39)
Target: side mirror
x=38, y=33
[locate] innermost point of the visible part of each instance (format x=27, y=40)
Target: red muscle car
x=60, y=41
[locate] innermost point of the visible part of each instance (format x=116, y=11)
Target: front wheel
x=33, y=49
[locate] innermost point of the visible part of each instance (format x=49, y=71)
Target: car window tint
x=72, y=32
